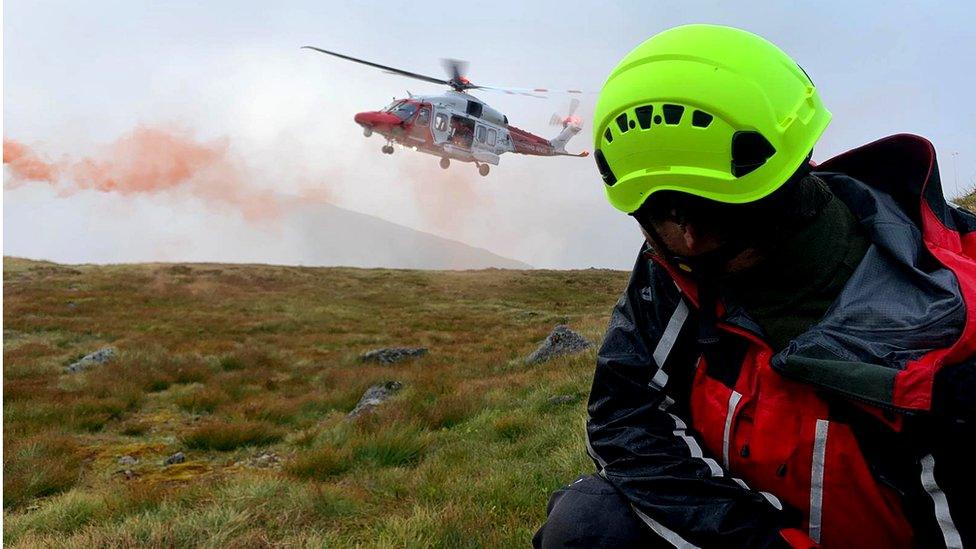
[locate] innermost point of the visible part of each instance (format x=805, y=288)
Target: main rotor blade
x=531, y=92
x=393, y=70
x=510, y=91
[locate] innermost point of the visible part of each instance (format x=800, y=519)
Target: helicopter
x=457, y=125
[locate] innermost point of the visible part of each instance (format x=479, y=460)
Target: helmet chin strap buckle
x=707, y=266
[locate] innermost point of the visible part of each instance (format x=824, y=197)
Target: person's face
x=685, y=240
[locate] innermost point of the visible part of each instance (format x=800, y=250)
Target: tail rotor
x=570, y=119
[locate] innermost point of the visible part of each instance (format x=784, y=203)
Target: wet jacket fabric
x=857, y=434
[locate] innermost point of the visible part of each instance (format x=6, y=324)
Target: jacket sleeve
x=642, y=445
x=946, y=459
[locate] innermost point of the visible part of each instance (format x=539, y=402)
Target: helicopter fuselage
x=457, y=126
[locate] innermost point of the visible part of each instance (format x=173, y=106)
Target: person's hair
x=760, y=223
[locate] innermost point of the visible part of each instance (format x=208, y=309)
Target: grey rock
x=178, y=457
x=127, y=461
x=391, y=355
x=562, y=341
x=265, y=460
x=374, y=396
x=100, y=356
x=562, y=399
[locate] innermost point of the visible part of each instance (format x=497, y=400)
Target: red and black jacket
x=858, y=434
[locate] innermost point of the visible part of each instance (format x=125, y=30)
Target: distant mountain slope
x=336, y=236
x=100, y=228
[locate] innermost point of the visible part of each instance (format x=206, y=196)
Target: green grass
x=202, y=400
x=392, y=447
x=321, y=464
x=230, y=362
x=222, y=436
x=39, y=466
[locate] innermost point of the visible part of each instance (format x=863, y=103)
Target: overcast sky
x=77, y=76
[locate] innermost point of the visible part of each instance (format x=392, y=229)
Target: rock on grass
x=100, y=356
x=374, y=396
x=559, y=400
x=264, y=460
x=391, y=355
x=562, y=341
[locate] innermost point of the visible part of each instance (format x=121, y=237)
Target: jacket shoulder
x=650, y=291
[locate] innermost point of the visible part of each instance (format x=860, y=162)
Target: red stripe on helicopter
x=529, y=143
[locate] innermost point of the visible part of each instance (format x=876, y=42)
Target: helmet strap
x=705, y=269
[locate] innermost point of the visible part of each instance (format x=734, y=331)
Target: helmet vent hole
x=622, y=123
x=750, y=150
x=657, y=119
x=644, y=116
x=601, y=164
x=632, y=125
x=608, y=135
x=700, y=119
x=672, y=114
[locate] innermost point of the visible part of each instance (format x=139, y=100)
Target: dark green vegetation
x=968, y=201
x=229, y=364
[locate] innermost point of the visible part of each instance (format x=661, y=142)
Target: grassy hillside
x=250, y=370
x=968, y=201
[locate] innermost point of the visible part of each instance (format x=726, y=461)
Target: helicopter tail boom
x=559, y=142
x=528, y=143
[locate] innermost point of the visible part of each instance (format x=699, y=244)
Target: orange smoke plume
x=25, y=165
x=150, y=161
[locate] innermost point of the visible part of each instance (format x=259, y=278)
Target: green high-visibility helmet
x=713, y=111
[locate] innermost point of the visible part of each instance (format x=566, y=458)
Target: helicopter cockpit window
x=404, y=111
x=440, y=122
x=480, y=135
x=424, y=117
x=491, y=138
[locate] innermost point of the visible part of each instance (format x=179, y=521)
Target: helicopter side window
x=440, y=122
x=463, y=131
x=474, y=109
x=424, y=117
x=491, y=138
x=480, y=134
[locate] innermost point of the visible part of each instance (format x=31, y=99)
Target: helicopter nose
x=374, y=118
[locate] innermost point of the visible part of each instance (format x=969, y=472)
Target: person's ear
x=690, y=235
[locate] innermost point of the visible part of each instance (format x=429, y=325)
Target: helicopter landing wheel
x=445, y=163
x=483, y=169
x=367, y=131
x=387, y=149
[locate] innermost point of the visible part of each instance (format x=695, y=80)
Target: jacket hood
x=903, y=311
